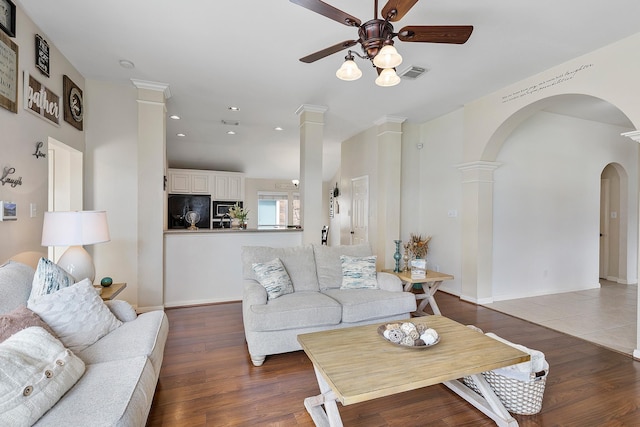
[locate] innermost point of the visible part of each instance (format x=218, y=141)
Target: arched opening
x=613, y=224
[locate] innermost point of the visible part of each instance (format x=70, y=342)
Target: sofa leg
x=257, y=360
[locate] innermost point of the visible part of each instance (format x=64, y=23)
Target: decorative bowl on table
x=409, y=335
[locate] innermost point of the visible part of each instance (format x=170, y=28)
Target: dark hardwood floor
x=207, y=379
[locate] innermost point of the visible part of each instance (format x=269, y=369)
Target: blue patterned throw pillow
x=49, y=278
x=273, y=277
x=359, y=272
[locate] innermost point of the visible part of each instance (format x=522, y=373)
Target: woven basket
x=519, y=397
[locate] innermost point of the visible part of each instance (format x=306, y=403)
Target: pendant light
x=388, y=57
x=388, y=77
x=349, y=70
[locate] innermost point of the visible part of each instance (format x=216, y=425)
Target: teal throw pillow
x=273, y=277
x=359, y=272
x=49, y=278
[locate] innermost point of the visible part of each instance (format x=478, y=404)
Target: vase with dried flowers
x=417, y=248
x=239, y=213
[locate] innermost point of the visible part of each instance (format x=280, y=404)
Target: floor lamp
x=75, y=229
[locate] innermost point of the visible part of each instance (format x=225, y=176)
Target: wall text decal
x=545, y=84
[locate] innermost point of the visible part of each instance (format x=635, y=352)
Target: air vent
x=412, y=72
x=230, y=122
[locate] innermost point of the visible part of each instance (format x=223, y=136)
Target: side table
x=112, y=291
x=430, y=285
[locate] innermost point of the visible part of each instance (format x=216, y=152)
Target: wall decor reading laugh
x=40, y=100
x=8, y=74
x=7, y=179
x=42, y=55
x=74, y=104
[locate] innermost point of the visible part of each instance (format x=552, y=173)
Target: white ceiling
x=244, y=53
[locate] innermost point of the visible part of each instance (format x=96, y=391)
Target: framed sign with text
x=40, y=100
x=42, y=55
x=8, y=73
x=73, y=103
x=8, y=17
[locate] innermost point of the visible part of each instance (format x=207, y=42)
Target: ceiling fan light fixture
x=387, y=78
x=349, y=70
x=388, y=57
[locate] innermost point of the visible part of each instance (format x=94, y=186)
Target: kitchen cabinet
x=228, y=187
x=185, y=181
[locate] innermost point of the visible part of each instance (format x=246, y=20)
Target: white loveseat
x=121, y=368
x=318, y=303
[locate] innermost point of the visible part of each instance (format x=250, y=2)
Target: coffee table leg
x=488, y=403
x=329, y=417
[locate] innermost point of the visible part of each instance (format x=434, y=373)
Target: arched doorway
x=613, y=224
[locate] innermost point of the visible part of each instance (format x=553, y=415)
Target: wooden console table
x=430, y=285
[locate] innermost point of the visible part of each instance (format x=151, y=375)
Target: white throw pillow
x=76, y=314
x=49, y=278
x=35, y=371
x=273, y=277
x=359, y=272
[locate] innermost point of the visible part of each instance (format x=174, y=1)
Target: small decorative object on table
x=240, y=214
x=192, y=218
x=408, y=334
x=106, y=281
x=417, y=248
x=397, y=256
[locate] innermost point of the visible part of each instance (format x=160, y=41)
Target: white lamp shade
x=349, y=71
x=74, y=228
x=388, y=77
x=388, y=57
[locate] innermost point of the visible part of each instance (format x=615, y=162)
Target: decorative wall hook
x=39, y=153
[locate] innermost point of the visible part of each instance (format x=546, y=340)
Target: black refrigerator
x=180, y=204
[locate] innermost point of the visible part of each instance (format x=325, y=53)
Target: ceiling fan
x=376, y=38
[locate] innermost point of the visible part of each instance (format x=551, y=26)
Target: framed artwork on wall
x=8, y=211
x=8, y=73
x=42, y=55
x=40, y=100
x=8, y=17
x=73, y=103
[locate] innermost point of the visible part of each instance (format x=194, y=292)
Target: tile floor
x=605, y=316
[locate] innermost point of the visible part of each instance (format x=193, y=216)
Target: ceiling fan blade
x=457, y=34
x=329, y=11
x=401, y=7
x=328, y=51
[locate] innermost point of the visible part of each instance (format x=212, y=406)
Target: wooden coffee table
x=356, y=364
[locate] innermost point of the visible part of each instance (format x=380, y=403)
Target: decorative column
x=635, y=135
x=311, y=139
x=151, y=195
x=477, y=229
x=388, y=188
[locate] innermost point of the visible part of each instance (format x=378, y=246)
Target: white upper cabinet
x=220, y=185
x=229, y=187
x=183, y=181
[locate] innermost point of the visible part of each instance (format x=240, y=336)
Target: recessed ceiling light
x=278, y=128
x=230, y=132
x=181, y=134
x=124, y=63
x=174, y=117
x=234, y=108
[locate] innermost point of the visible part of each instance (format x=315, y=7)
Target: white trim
x=160, y=87
x=635, y=135
x=311, y=109
x=390, y=119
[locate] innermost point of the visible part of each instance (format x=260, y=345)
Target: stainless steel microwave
x=221, y=208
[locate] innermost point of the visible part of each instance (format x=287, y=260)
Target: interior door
x=360, y=210
x=604, y=228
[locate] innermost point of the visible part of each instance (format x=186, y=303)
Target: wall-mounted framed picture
x=40, y=100
x=8, y=73
x=73, y=103
x=8, y=211
x=42, y=55
x=8, y=17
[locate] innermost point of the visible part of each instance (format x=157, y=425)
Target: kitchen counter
x=232, y=230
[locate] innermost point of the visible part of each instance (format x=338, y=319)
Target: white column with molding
x=477, y=226
x=635, y=135
x=151, y=98
x=311, y=140
x=388, y=191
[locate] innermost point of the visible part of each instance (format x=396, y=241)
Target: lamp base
x=77, y=262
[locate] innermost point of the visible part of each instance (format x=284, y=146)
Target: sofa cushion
x=368, y=304
x=328, y=265
x=19, y=319
x=110, y=394
x=298, y=261
x=35, y=371
x=144, y=336
x=273, y=277
x=76, y=314
x=49, y=278
x=358, y=272
x=294, y=311
x=15, y=285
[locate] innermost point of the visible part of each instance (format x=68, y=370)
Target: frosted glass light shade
x=349, y=71
x=388, y=77
x=388, y=57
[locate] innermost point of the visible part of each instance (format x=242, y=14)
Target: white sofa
x=272, y=325
x=121, y=368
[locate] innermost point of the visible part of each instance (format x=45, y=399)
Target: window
x=273, y=209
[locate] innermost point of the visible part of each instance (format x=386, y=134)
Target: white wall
x=112, y=182
x=19, y=134
x=547, y=204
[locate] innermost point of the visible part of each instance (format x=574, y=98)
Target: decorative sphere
x=106, y=281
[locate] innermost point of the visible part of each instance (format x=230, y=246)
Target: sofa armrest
x=254, y=293
x=389, y=282
x=122, y=310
